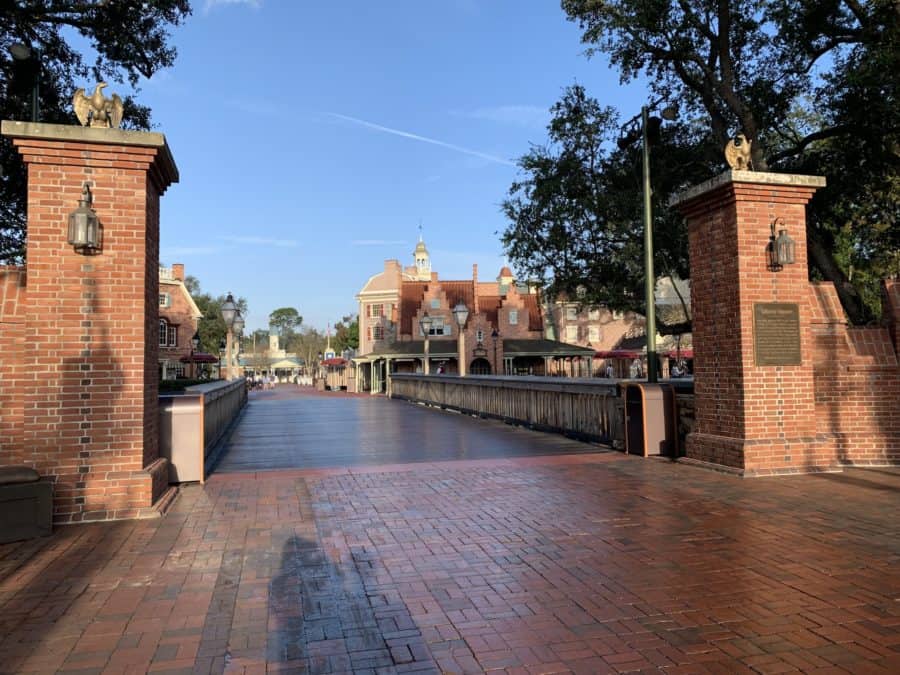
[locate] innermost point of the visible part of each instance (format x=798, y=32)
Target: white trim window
x=165, y=300
x=513, y=317
x=572, y=333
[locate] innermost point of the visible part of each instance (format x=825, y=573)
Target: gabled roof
x=411, y=295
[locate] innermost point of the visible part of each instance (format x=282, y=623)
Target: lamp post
x=668, y=113
x=195, y=343
x=425, y=323
x=22, y=52
x=234, y=322
x=495, y=335
x=461, y=313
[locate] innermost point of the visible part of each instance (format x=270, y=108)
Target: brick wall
x=857, y=383
x=12, y=343
x=90, y=387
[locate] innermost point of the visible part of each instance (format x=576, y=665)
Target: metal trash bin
x=651, y=419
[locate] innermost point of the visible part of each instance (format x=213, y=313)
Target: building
x=503, y=332
x=273, y=362
x=179, y=318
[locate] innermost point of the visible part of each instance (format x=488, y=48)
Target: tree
x=211, y=327
x=346, y=333
x=284, y=320
x=755, y=66
x=130, y=40
x=575, y=215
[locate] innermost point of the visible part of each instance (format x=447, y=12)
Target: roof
x=336, y=361
x=532, y=304
x=543, y=347
x=411, y=295
x=436, y=348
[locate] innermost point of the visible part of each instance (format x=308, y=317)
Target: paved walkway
x=290, y=427
x=589, y=563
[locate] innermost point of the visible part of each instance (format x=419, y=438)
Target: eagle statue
x=97, y=110
x=737, y=153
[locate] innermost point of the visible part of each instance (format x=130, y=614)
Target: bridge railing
x=586, y=408
x=191, y=424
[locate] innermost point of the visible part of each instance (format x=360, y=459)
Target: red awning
x=200, y=357
x=337, y=361
x=684, y=354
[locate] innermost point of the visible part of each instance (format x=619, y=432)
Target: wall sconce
x=85, y=233
x=781, y=248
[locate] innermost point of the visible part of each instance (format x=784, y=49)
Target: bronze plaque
x=776, y=333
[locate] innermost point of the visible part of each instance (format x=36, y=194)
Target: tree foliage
x=811, y=82
x=346, y=334
x=211, y=326
x=127, y=40
x=284, y=320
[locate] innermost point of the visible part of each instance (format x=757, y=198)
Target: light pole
x=22, y=52
x=495, y=335
x=234, y=322
x=461, y=312
x=195, y=343
x=667, y=113
x=425, y=323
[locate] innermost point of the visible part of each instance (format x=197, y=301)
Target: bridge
x=345, y=533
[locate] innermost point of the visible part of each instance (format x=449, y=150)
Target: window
x=173, y=336
x=375, y=311
x=378, y=332
x=594, y=314
x=571, y=333
x=438, y=327
x=436, y=303
x=513, y=317
x=479, y=335
x=163, y=333
x=571, y=313
x=594, y=334
x=164, y=300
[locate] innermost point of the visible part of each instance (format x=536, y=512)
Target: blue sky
x=313, y=138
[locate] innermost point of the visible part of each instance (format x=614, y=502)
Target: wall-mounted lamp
x=781, y=247
x=84, y=225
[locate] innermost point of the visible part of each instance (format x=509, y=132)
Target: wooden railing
x=588, y=408
x=192, y=424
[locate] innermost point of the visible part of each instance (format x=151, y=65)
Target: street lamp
x=668, y=113
x=22, y=52
x=425, y=323
x=234, y=322
x=195, y=343
x=495, y=334
x=461, y=313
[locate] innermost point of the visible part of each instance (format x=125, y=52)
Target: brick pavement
x=589, y=563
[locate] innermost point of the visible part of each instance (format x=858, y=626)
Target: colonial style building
x=503, y=330
x=178, y=321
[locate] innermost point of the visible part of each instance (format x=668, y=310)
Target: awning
x=684, y=354
x=199, y=357
x=619, y=354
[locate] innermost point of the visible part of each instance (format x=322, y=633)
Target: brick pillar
x=91, y=322
x=751, y=416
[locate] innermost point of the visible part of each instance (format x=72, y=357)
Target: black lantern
x=195, y=340
x=84, y=226
x=781, y=247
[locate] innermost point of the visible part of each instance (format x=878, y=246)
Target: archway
x=480, y=366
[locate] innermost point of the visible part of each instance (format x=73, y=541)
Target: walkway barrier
x=586, y=408
x=192, y=423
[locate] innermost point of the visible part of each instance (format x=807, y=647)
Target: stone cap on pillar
x=165, y=170
x=787, y=180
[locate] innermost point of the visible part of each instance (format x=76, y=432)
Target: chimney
x=475, y=287
x=178, y=271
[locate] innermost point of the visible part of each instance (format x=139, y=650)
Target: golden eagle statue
x=737, y=153
x=96, y=109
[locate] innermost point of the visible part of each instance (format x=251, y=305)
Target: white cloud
x=527, y=116
x=422, y=139
x=261, y=241
x=212, y=4
x=377, y=242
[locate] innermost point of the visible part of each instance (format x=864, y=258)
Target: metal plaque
x=776, y=333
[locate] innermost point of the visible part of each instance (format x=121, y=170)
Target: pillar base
x=760, y=457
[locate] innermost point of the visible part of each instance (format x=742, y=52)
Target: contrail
x=424, y=139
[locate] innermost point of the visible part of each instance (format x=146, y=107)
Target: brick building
x=179, y=318
x=504, y=332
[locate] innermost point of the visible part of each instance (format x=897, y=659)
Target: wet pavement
x=586, y=563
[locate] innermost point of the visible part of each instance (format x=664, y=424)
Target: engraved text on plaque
x=776, y=333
